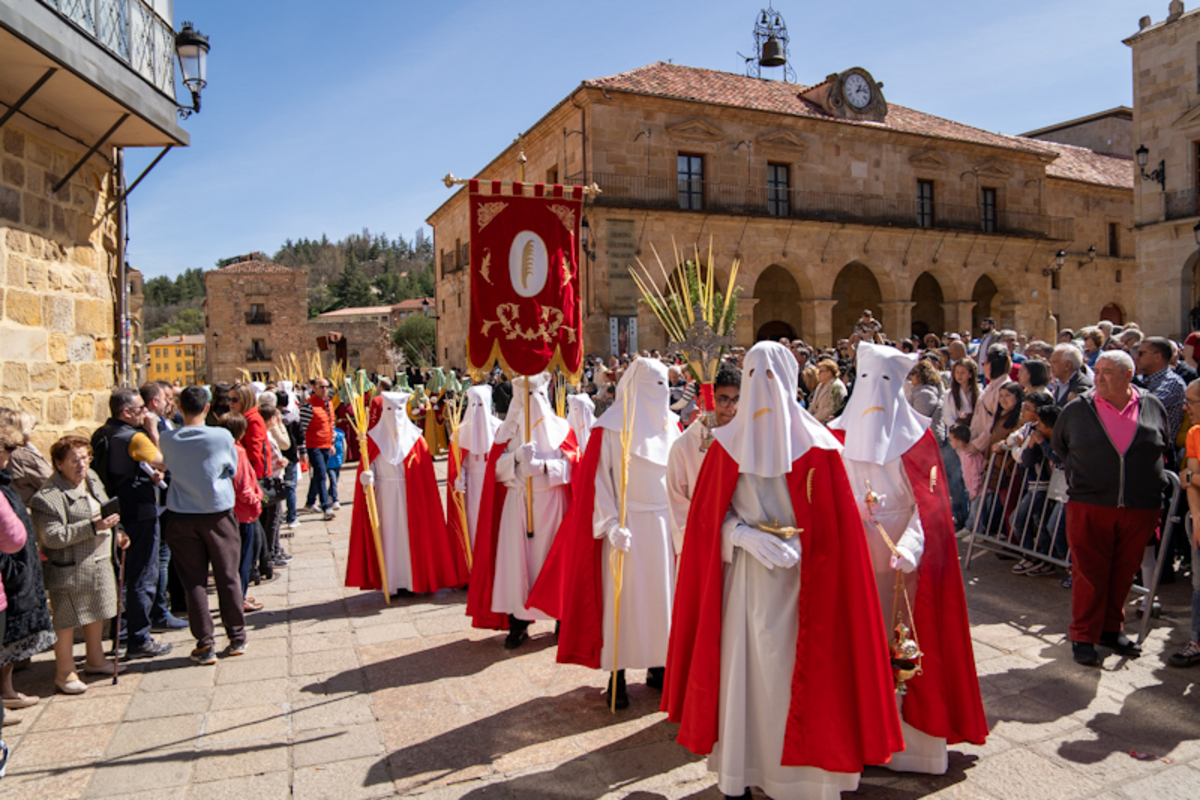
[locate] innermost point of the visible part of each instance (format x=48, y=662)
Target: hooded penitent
x=879, y=423
x=547, y=428
x=394, y=434
x=643, y=390
x=477, y=432
x=581, y=416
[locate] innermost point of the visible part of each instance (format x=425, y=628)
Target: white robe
x=519, y=558
x=900, y=518
x=648, y=587
x=474, y=467
x=759, y=626
x=683, y=467
x=391, y=497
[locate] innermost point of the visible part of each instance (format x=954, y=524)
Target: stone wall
x=57, y=323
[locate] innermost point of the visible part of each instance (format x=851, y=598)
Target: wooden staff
x=457, y=496
x=528, y=478
x=618, y=565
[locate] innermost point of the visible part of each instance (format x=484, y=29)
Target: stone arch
x=778, y=304
x=1113, y=313
x=928, y=316
x=855, y=289
x=986, y=297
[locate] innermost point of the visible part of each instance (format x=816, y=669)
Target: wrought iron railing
x=129, y=29
x=642, y=191
x=258, y=317
x=1180, y=205
x=259, y=354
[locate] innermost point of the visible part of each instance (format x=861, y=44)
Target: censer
x=903, y=648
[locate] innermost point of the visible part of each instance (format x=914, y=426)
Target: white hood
x=547, y=428
x=477, y=433
x=394, y=434
x=771, y=430
x=880, y=424
x=644, y=387
x=581, y=416
x=290, y=412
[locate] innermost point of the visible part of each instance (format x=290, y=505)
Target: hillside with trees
x=363, y=269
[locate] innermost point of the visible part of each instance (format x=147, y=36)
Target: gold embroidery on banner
x=566, y=270
x=488, y=212
x=811, y=473
x=551, y=321
x=565, y=215
x=486, y=265
x=932, y=479
x=527, y=254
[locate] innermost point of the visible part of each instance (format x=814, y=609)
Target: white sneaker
x=329, y=515
x=337, y=506
x=310, y=510
x=293, y=524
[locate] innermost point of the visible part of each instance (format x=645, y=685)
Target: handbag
x=272, y=490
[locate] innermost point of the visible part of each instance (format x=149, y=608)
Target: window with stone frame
x=465, y=251
x=987, y=207
x=1114, y=240
x=924, y=204
x=690, y=171
x=778, y=189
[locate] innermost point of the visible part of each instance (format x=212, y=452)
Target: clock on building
x=857, y=90
x=852, y=94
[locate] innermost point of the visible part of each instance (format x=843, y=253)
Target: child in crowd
x=972, y=465
x=333, y=465
x=247, y=504
x=1028, y=447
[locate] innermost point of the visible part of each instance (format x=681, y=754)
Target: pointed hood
x=477, y=433
x=548, y=429
x=880, y=424
x=644, y=390
x=394, y=434
x=771, y=430
x=581, y=416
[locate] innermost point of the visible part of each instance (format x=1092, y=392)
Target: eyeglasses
x=728, y=402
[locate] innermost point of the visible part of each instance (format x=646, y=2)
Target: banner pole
x=528, y=478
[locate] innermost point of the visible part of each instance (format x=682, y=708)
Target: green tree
x=352, y=289
x=416, y=336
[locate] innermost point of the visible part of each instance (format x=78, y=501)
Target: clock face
x=858, y=91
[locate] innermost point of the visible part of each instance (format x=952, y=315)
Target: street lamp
x=585, y=236
x=191, y=47
x=1060, y=258
x=1159, y=175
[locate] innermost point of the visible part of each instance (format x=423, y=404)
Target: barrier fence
x=1020, y=517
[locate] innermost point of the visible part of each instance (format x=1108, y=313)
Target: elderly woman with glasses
x=78, y=543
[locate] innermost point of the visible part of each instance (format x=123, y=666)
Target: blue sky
x=328, y=117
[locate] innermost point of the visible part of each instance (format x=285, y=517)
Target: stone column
x=816, y=319
x=897, y=318
x=1010, y=317
x=958, y=315
x=744, y=332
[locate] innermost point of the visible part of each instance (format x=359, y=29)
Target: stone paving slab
x=343, y=696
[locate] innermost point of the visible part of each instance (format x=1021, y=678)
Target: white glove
x=531, y=468
x=460, y=485
x=906, y=561
x=525, y=453
x=769, y=550
x=367, y=478
x=620, y=538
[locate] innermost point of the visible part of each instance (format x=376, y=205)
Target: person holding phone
x=75, y=527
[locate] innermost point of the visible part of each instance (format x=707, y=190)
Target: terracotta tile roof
x=257, y=267
x=412, y=304
x=1088, y=166
x=359, y=311
x=192, y=339
x=741, y=91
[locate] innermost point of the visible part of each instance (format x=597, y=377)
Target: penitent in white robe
x=899, y=516
x=519, y=558
x=648, y=588
x=683, y=467
x=474, y=467
x=391, y=497
x=759, y=627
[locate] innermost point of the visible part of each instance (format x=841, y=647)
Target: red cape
x=455, y=523
x=437, y=563
x=944, y=699
x=570, y=586
x=842, y=711
x=487, y=534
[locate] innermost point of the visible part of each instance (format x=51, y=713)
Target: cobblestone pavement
x=342, y=696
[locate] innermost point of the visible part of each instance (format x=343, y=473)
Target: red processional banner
x=525, y=308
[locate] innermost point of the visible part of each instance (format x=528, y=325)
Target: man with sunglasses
x=316, y=420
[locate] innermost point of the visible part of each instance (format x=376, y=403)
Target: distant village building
x=834, y=201
x=177, y=358
x=85, y=92
x=256, y=312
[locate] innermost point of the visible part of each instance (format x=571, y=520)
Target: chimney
x=1144, y=23
x=1175, y=10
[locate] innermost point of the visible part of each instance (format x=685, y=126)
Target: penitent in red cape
x=487, y=534
x=842, y=711
x=437, y=561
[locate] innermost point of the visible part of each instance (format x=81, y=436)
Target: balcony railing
x=641, y=191
x=258, y=318
x=259, y=354
x=131, y=31
x=1181, y=205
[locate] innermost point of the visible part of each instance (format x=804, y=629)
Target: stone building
x=176, y=358
x=1166, y=122
x=833, y=199
x=256, y=311
x=73, y=98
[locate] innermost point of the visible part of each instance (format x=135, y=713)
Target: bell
x=772, y=53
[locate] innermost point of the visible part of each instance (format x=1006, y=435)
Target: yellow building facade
x=176, y=358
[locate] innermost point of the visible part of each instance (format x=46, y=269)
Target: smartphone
x=113, y=506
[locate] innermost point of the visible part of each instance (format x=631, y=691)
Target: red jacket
x=255, y=442
x=247, y=503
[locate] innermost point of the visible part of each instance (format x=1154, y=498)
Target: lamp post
x=1060, y=258
x=1159, y=175
x=191, y=47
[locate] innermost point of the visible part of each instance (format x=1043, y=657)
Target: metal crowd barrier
x=999, y=535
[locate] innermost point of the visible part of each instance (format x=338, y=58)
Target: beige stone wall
x=636, y=137
x=1166, y=121
x=57, y=298
x=1108, y=134
x=227, y=336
